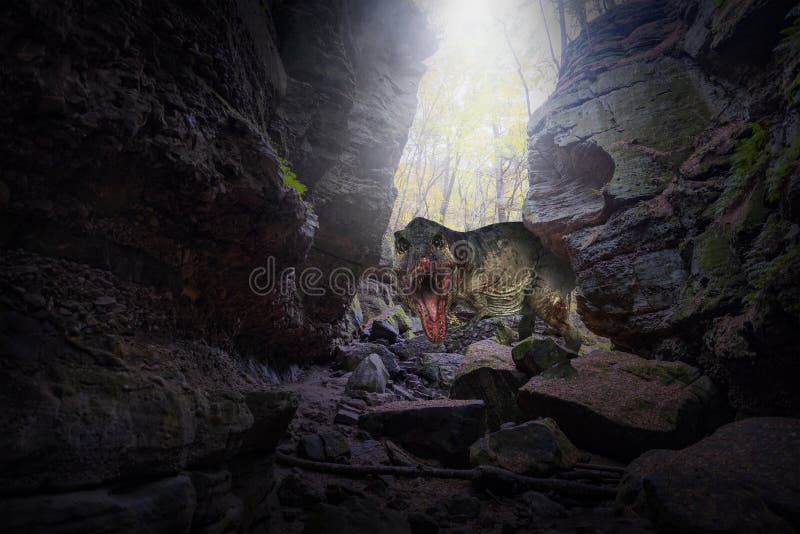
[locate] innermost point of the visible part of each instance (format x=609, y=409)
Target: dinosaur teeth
x=432, y=297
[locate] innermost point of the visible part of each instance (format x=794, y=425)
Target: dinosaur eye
x=402, y=245
x=438, y=241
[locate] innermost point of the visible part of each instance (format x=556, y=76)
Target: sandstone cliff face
x=145, y=138
x=146, y=148
x=664, y=166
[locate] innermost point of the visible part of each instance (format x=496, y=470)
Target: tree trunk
x=412, y=164
x=562, y=23
x=519, y=69
x=499, y=186
x=448, y=190
x=549, y=38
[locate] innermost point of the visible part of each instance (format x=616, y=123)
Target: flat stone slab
x=621, y=405
x=488, y=373
x=742, y=478
x=442, y=429
x=537, y=448
x=440, y=367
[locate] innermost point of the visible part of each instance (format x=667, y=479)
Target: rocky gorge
x=158, y=155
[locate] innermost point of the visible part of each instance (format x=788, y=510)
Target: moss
x=714, y=253
x=290, y=177
x=750, y=158
x=638, y=405
x=786, y=162
x=522, y=348
x=503, y=333
x=400, y=320
x=664, y=374
x=788, y=51
x=778, y=265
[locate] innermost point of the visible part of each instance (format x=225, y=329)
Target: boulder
x=504, y=334
x=369, y=452
x=383, y=329
x=370, y=375
x=540, y=505
x=537, y=448
x=538, y=353
x=621, y=405
x=346, y=416
x=329, y=446
x=356, y=515
x=414, y=347
x=488, y=373
x=301, y=492
x=440, y=367
x=441, y=429
x=400, y=320
x=165, y=505
x=736, y=480
x=349, y=356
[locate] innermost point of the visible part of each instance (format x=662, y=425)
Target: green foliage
x=779, y=265
x=290, y=177
x=751, y=155
x=789, y=50
x=787, y=161
x=750, y=158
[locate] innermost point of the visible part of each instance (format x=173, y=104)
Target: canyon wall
x=155, y=139
x=664, y=166
x=153, y=154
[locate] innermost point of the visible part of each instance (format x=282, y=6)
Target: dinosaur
x=500, y=269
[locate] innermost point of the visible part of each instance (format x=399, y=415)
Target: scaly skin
x=500, y=269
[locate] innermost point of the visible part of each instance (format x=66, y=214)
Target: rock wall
x=154, y=139
x=664, y=166
x=153, y=154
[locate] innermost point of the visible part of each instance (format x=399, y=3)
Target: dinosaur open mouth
x=432, y=298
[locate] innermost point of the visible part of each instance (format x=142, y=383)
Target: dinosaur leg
x=527, y=325
x=551, y=306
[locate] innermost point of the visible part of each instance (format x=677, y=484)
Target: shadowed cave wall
x=148, y=150
x=664, y=166
x=147, y=153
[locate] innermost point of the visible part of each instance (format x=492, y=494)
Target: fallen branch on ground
x=483, y=475
x=599, y=467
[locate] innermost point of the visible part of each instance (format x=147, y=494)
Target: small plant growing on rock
x=787, y=161
x=750, y=158
x=290, y=177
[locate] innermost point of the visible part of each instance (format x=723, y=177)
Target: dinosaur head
x=426, y=263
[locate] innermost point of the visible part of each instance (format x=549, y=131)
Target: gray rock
x=165, y=506
x=311, y=447
x=439, y=367
x=736, y=480
x=383, y=329
x=346, y=417
x=422, y=523
x=538, y=353
x=461, y=508
x=356, y=516
x=540, y=505
x=414, y=347
x=621, y=405
x=441, y=429
x=370, y=376
x=349, y=356
x=300, y=492
x=218, y=509
x=337, y=447
x=537, y=448
x=488, y=373
x=369, y=452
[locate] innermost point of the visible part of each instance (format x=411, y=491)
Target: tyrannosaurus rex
x=500, y=269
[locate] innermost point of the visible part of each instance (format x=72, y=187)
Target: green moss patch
x=290, y=177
